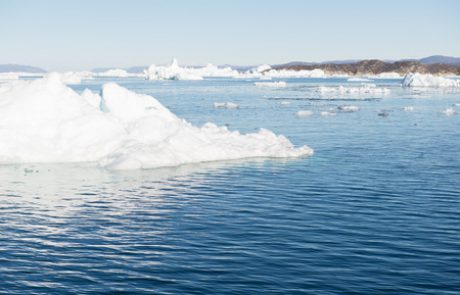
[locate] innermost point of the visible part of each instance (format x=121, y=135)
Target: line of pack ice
x=174, y=71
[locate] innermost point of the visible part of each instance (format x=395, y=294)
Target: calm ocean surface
x=376, y=209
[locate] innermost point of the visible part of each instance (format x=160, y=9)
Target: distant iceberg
x=118, y=73
x=428, y=80
x=70, y=78
x=176, y=72
x=118, y=129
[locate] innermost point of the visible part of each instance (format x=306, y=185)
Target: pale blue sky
x=75, y=35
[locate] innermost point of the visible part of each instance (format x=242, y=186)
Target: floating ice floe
x=7, y=76
x=70, y=77
x=327, y=114
x=277, y=84
x=449, y=112
x=46, y=121
x=386, y=75
x=428, y=80
x=365, y=89
x=118, y=73
x=408, y=108
x=304, y=113
x=348, y=108
x=226, y=105
x=358, y=79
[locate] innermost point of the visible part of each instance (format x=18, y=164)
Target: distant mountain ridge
x=375, y=67
x=20, y=68
x=440, y=59
x=434, y=59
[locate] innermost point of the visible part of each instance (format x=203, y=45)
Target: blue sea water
x=376, y=209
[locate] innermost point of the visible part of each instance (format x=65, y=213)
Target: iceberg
x=45, y=121
x=428, y=80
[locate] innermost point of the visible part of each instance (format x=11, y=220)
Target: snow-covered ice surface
x=46, y=121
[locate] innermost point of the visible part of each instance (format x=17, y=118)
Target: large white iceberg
x=428, y=80
x=46, y=121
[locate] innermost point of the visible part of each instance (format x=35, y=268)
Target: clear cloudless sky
x=76, y=35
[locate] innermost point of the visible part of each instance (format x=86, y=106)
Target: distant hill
x=20, y=68
x=375, y=67
x=440, y=59
x=430, y=60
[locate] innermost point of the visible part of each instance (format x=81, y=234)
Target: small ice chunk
x=408, y=108
x=277, y=84
x=348, y=108
x=449, y=112
x=226, y=105
x=327, y=114
x=304, y=113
